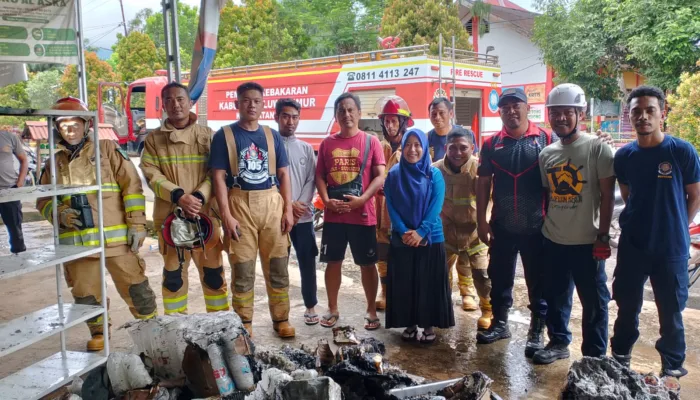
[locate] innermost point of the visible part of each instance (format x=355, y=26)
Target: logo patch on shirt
x=498, y=147
x=566, y=182
x=665, y=170
x=253, y=164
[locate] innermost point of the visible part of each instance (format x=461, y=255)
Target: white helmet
x=567, y=95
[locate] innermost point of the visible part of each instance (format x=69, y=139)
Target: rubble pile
x=606, y=379
x=476, y=386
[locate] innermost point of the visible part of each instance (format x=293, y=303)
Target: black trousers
x=12, y=217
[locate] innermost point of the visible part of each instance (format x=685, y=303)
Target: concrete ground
x=453, y=355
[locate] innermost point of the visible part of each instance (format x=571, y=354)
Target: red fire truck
x=472, y=79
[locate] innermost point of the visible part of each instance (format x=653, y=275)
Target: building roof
x=503, y=12
x=505, y=4
x=37, y=130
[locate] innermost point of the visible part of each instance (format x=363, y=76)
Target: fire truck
x=471, y=80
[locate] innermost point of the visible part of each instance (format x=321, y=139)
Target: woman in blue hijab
x=417, y=282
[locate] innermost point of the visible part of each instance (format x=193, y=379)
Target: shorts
x=362, y=239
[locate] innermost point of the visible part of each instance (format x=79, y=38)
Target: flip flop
x=329, y=320
x=409, y=336
x=427, y=338
x=372, y=324
x=310, y=319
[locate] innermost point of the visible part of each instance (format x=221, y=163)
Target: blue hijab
x=411, y=183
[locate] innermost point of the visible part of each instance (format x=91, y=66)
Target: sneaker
x=624, y=359
x=551, y=353
x=535, y=336
x=676, y=373
x=498, y=330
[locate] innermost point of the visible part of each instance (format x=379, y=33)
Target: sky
x=108, y=13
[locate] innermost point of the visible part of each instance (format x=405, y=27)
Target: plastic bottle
x=223, y=380
x=239, y=366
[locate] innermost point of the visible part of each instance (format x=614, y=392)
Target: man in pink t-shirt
x=350, y=218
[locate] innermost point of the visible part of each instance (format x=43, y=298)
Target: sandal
x=408, y=335
x=329, y=320
x=372, y=324
x=427, y=338
x=310, y=319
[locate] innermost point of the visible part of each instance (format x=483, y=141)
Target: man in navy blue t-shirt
x=441, y=115
x=249, y=163
x=659, y=179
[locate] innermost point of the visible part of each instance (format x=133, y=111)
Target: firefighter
x=174, y=163
x=123, y=207
x=395, y=118
x=459, y=224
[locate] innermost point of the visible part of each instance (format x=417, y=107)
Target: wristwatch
x=603, y=238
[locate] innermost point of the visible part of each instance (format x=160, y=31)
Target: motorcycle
x=318, y=213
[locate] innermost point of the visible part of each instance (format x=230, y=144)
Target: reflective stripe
x=156, y=187
x=135, y=202
x=477, y=248
x=463, y=201
x=147, y=157
x=466, y=280
x=90, y=237
x=278, y=296
x=47, y=210
x=218, y=302
x=178, y=304
x=149, y=316
x=96, y=322
x=243, y=300
x=182, y=159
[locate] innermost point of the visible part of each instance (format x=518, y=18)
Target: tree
x=336, y=26
x=422, y=21
x=14, y=96
x=42, y=89
x=684, y=118
x=254, y=33
x=96, y=70
x=137, y=56
x=590, y=42
x=138, y=24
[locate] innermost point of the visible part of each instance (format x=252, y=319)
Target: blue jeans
x=11, y=213
x=304, y=242
x=669, y=281
x=504, y=250
x=566, y=266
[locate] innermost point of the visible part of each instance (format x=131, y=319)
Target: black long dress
x=417, y=287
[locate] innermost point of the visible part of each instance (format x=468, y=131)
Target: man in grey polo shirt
x=302, y=168
x=11, y=212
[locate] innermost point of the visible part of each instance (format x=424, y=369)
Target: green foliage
x=421, y=22
x=255, y=33
x=336, y=26
x=137, y=56
x=42, y=89
x=96, y=71
x=684, y=118
x=14, y=96
x=590, y=42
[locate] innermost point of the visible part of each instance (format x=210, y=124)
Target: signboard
x=535, y=93
x=38, y=31
x=536, y=113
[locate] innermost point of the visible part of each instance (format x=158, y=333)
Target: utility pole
x=121, y=3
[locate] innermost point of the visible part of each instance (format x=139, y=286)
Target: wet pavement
x=453, y=355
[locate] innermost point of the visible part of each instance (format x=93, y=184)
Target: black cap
x=512, y=93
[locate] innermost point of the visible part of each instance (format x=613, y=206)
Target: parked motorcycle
x=318, y=213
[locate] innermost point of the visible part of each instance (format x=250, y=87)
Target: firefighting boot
x=284, y=329
x=535, y=336
x=469, y=303
x=97, y=343
x=484, y=321
x=249, y=327
x=381, y=301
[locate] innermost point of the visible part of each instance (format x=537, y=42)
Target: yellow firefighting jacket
x=383, y=221
x=123, y=201
x=177, y=159
x=459, y=210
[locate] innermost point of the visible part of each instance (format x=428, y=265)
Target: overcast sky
x=102, y=17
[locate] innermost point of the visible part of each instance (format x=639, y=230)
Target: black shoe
x=676, y=373
x=624, y=359
x=535, y=336
x=498, y=330
x=551, y=353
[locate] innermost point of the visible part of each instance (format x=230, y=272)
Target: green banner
x=13, y=32
x=14, y=50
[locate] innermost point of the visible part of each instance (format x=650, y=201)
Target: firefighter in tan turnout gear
x=124, y=220
x=458, y=215
x=174, y=163
x=395, y=118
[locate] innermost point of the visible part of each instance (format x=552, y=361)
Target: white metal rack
x=49, y=374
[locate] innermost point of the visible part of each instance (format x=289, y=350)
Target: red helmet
x=206, y=234
x=394, y=105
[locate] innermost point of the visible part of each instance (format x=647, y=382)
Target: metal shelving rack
x=51, y=373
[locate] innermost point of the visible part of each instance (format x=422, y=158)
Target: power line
x=106, y=33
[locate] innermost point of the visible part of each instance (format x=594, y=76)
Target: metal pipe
x=59, y=276
x=440, y=66
x=454, y=84
x=166, y=31
x=100, y=227
x=82, y=76
x=176, y=39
